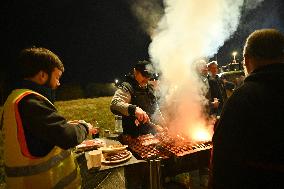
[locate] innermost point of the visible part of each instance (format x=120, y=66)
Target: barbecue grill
x=164, y=146
x=176, y=154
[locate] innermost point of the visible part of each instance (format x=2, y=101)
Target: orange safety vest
x=57, y=169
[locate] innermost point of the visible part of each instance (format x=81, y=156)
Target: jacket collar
x=41, y=89
x=267, y=73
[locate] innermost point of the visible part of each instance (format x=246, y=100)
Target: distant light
x=234, y=55
x=116, y=81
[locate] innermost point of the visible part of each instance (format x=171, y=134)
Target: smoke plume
x=188, y=31
x=148, y=13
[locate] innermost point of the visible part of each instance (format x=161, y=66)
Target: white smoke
x=148, y=13
x=189, y=30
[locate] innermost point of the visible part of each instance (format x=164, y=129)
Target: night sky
x=269, y=14
x=100, y=40
x=96, y=40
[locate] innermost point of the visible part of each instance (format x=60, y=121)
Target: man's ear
x=246, y=60
x=248, y=63
x=43, y=76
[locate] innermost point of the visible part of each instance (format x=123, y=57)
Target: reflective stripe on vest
x=21, y=134
x=57, y=169
x=36, y=169
x=66, y=180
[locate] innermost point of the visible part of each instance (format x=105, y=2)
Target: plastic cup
x=94, y=158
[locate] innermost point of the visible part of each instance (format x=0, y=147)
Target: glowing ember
x=202, y=135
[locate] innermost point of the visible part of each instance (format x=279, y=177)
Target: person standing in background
x=248, y=141
x=37, y=140
x=218, y=87
x=208, y=84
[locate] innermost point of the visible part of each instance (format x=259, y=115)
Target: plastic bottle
x=118, y=124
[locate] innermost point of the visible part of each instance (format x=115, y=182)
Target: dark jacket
x=44, y=128
x=218, y=90
x=248, y=144
x=143, y=98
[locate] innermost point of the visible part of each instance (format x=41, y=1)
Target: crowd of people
x=247, y=143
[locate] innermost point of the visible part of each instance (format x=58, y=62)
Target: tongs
x=159, y=128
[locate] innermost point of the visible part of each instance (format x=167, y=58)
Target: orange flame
x=201, y=134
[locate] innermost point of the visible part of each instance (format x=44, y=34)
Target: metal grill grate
x=164, y=146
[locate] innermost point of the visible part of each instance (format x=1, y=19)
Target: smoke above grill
x=187, y=31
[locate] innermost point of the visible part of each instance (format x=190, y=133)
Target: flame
x=202, y=134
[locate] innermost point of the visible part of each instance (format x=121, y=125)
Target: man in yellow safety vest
x=37, y=140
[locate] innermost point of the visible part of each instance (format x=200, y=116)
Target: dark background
x=96, y=39
x=100, y=40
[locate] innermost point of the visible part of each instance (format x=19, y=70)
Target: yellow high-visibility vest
x=57, y=169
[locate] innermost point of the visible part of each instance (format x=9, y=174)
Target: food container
x=94, y=159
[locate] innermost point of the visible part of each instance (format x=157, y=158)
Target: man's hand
x=91, y=129
x=159, y=128
x=141, y=115
x=73, y=122
x=215, y=103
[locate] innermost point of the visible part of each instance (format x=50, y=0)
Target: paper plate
x=112, y=148
x=117, y=161
x=90, y=144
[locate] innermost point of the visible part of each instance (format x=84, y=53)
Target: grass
x=90, y=110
